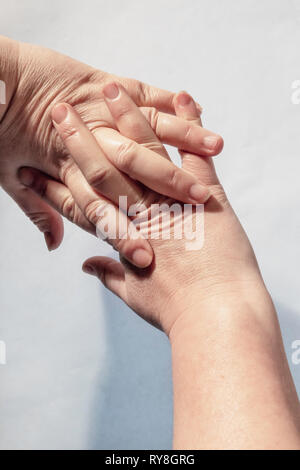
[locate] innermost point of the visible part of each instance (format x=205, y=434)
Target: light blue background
x=83, y=372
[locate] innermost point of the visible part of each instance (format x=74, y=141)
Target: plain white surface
x=83, y=372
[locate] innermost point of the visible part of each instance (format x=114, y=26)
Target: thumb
x=110, y=272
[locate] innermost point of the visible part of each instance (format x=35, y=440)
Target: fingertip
x=111, y=91
x=59, y=113
x=213, y=144
x=183, y=98
x=88, y=269
x=186, y=107
x=199, y=193
x=219, y=145
x=54, y=239
x=55, y=235
x=96, y=265
x=49, y=240
x=141, y=258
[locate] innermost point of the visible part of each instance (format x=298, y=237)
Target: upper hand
x=42, y=78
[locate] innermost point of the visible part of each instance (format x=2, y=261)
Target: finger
x=98, y=170
x=110, y=272
x=180, y=133
x=137, y=161
x=129, y=120
x=186, y=108
x=174, y=131
x=148, y=167
x=112, y=224
x=56, y=194
x=42, y=215
x=146, y=95
x=80, y=204
x=201, y=167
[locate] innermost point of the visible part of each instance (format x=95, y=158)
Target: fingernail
x=49, y=240
x=59, y=113
x=210, y=142
x=87, y=268
x=111, y=91
x=141, y=258
x=184, y=99
x=26, y=177
x=199, y=193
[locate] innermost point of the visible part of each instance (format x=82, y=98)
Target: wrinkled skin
x=180, y=282
x=38, y=79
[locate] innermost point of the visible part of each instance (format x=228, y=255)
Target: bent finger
x=81, y=205
x=97, y=169
x=180, y=133
x=203, y=168
x=148, y=167
x=56, y=194
x=129, y=119
x=48, y=221
x=112, y=223
x=147, y=95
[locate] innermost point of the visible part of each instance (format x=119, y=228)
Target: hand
x=225, y=263
x=225, y=267
x=38, y=78
x=232, y=386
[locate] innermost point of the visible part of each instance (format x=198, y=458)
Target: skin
x=232, y=385
x=37, y=79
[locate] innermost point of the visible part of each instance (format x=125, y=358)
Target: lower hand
x=177, y=279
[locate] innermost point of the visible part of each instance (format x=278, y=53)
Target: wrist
x=9, y=53
x=236, y=304
x=229, y=367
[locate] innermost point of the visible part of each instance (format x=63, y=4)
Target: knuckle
x=40, y=219
x=68, y=208
x=121, y=111
x=67, y=168
x=187, y=134
x=126, y=156
x=174, y=177
x=68, y=132
x=142, y=93
x=153, y=118
x=95, y=211
x=99, y=177
x=78, y=217
x=219, y=194
x=135, y=128
x=121, y=245
x=156, y=147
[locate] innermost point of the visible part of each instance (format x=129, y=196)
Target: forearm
x=232, y=384
x=8, y=72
